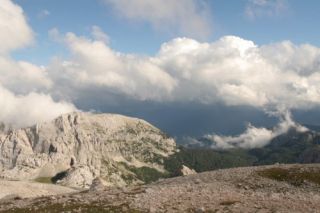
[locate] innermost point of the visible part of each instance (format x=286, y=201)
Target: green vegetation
x=293, y=147
x=43, y=180
x=295, y=176
x=147, y=174
x=229, y=202
x=206, y=159
x=75, y=207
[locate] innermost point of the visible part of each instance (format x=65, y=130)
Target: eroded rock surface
x=76, y=148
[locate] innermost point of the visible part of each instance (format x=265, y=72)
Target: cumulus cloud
x=231, y=70
x=43, y=13
x=22, y=76
x=253, y=137
x=14, y=30
x=95, y=64
x=261, y=8
x=99, y=35
x=23, y=85
x=26, y=110
x=238, y=72
x=187, y=17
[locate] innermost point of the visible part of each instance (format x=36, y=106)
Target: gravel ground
x=28, y=189
x=229, y=190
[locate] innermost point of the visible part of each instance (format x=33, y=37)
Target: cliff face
x=78, y=147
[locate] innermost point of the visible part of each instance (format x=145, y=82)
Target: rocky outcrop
x=76, y=148
x=187, y=171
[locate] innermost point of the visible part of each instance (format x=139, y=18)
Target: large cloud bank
x=232, y=70
x=23, y=97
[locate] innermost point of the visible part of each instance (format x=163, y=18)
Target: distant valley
x=290, y=147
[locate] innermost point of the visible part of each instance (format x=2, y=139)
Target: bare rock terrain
x=76, y=148
x=28, y=189
x=276, y=188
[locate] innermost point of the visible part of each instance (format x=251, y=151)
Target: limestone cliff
x=78, y=147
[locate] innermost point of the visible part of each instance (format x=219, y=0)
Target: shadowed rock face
x=84, y=146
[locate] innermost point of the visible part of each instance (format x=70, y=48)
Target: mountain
x=76, y=148
x=287, y=148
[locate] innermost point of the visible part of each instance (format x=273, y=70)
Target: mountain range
x=76, y=148
x=290, y=147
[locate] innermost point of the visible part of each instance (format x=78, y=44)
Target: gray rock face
x=82, y=146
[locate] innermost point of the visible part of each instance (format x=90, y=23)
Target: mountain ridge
x=78, y=147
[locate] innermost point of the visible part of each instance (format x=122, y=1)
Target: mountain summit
x=76, y=148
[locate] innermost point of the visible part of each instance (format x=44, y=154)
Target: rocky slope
x=76, y=148
x=276, y=188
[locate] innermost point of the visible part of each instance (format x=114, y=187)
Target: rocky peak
x=84, y=146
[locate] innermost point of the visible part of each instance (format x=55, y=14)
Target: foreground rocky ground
x=276, y=188
x=28, y=189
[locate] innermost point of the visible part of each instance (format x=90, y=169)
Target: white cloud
x=187, y=17
x=95, y=64
x=21, y=76
x=14, y=30
x=26, y=110
x=43, y=13
x=232, y=70
x=55, y=35
x=266, y=8
x=99, y=35
x=23, y=85
x=238, y=72
x=254, y=137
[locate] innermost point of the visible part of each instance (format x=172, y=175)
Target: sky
x=295, y=21
x=191, y=67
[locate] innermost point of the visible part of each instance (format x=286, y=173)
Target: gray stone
x=82, y=146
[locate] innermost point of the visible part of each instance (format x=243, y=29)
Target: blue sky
x=191, y=67
x=298, y=22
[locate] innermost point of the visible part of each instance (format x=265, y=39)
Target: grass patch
x=294, y=176
x=228, y=202
x=44, y=180
x=75, y=207
x=147, y=174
